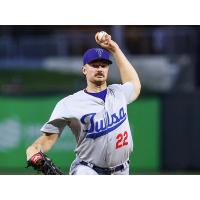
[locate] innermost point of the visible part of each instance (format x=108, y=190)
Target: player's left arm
x=126, y=69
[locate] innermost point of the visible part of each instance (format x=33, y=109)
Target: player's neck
x=96, y=88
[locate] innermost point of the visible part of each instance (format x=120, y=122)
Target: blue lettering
x=114, y=118
x=109, y=123
x=122, y=114
x=103, y=126
x=85, y=121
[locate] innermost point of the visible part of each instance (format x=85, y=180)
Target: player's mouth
x=99, y=75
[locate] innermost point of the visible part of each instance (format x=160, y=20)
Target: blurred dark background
x=39, y=65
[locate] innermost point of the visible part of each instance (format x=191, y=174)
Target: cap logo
x=99, y=51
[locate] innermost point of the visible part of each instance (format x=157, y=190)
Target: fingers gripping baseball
x=104, y=40
x=102, y=37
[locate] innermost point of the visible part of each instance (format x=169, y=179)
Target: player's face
x=96, y=72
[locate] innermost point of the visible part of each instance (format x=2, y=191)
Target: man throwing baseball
x=97, y=116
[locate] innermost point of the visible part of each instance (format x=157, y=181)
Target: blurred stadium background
x=39, y=65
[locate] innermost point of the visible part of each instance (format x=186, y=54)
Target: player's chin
x=99, y=81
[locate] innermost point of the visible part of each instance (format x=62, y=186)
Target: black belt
x=104, y=171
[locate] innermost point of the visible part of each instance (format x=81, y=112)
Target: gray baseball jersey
x=101, y=128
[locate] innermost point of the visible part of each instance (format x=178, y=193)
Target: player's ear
x=84, y=70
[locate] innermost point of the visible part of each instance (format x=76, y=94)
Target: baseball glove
x=41, y=163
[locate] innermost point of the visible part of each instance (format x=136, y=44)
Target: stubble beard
x=99, y=81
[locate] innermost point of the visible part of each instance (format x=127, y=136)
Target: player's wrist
x=115, y=50
x=30, y=152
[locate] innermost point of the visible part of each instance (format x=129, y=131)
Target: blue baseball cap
x=96, y=54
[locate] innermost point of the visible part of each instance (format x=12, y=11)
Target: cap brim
x=108, y=61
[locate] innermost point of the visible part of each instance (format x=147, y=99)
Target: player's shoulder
x=125, y=87
x=114, y=86
x=120, y=86
x=71, y=98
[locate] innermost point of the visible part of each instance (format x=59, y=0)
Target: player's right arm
x=127, y=72
x=44, y=143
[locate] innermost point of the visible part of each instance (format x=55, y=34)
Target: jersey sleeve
x=128, y=91
x=58, y=119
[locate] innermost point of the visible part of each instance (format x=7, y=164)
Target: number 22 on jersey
x=121, y=140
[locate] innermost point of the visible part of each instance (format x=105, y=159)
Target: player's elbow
x=137, y=85
x=137, y=89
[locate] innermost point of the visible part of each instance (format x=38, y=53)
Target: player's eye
x=95, y=65
x=103, y=65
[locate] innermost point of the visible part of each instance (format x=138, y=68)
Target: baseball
x=101, y=35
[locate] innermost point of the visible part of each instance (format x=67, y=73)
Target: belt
x=105, y=171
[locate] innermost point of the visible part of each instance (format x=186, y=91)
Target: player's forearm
x=127, y=71
x=43, y=143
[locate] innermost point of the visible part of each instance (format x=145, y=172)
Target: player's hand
x=107, y=43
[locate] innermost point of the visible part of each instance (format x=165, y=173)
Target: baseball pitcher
x=97, y=116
